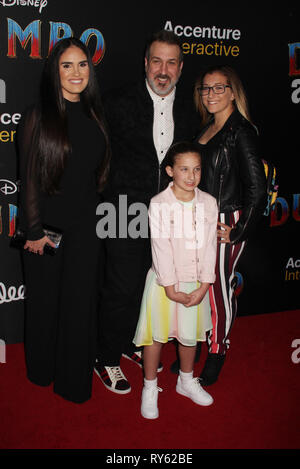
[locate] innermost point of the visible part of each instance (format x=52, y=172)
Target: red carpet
x=256, y=401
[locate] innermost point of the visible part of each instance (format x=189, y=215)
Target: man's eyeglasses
x=217, y=89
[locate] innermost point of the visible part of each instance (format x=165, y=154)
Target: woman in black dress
x=64, y=159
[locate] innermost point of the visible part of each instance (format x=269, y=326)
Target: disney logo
x=12, y=294
x=40, y=4
x=8, y=187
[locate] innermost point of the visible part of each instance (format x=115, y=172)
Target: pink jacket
x=183, y=240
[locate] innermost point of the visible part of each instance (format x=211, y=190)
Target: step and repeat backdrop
x=263, y=45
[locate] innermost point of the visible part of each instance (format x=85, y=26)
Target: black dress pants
x=127, y=263
x=60, y=320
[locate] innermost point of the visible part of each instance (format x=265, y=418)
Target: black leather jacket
x=232, y=171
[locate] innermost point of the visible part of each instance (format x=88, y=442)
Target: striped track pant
x=221, y=293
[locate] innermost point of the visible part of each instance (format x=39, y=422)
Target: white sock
x=186, y=376
x=148, y=383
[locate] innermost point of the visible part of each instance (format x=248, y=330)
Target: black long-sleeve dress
x=60, y=325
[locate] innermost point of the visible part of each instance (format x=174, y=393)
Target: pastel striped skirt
x=162, y=319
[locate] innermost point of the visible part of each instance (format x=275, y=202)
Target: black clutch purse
x=19, y=238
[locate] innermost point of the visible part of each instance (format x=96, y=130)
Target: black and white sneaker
x=113, y=378
x=137, y=358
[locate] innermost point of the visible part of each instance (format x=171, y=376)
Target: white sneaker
x=149, y=409
x=193, y=389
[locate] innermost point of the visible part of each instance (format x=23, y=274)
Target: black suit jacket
x=135, y=169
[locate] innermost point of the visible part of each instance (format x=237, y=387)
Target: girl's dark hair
x=51, y=136
x=172, y=154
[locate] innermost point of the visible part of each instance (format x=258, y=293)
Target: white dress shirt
x=163, y=123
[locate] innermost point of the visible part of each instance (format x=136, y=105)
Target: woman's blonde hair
x=240, y=99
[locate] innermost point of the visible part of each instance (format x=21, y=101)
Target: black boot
x=175, y=365
x=212, y=368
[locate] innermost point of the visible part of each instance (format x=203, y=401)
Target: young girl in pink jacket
x=183, y=225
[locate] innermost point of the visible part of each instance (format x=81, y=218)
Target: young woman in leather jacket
x=233, y=173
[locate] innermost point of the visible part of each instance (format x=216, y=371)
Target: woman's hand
x=224, y=233
x=37, y=247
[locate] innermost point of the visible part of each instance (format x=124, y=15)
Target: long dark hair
x=51, y=140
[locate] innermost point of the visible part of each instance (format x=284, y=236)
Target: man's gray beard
x=157, y=90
